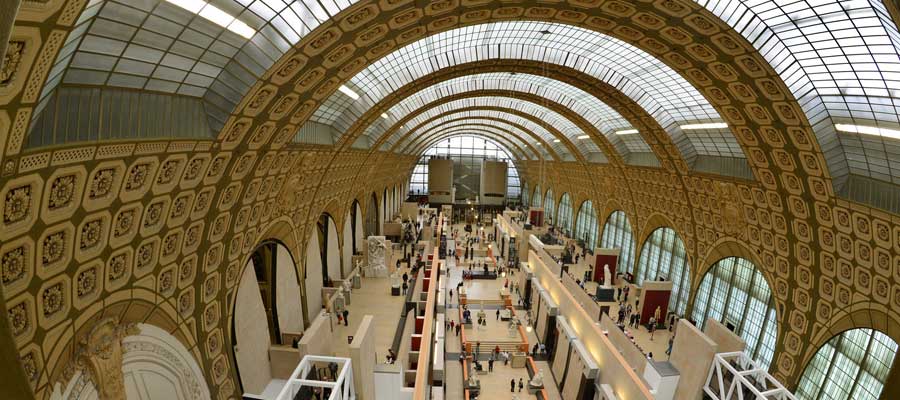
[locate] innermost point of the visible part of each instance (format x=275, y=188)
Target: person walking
x=345, y=314
x=491, y=364
x=669, y=348
x=477, y=349
x=521, y=385
x=498, y=314
x=451, y=295
x=458, y=327
x=405, y=286
x=512, y=385
x=652, y=327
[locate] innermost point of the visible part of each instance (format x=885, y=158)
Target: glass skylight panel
x=490, y=117
x=611, y=60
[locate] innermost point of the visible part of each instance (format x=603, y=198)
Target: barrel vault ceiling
x=148, y=146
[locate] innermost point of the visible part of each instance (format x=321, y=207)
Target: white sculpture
x=376, y=257
x=538, y=380
x=606, y=277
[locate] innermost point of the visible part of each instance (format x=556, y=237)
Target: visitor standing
x=345, y=314
x=521, y=385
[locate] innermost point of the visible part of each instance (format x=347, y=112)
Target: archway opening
x=735, y=293
x=663, y=257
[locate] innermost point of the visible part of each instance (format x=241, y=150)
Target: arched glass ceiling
x=637, y=73
x=506, y=129
x=156, y=45
x=602, y=116
x=538, y=111
x=841, y=59
x=545, y=135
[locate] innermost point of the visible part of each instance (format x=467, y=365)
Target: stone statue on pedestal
x=376, y=256
x=538, y=380
x=606, y=278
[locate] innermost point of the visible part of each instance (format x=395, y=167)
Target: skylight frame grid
x=513, y=40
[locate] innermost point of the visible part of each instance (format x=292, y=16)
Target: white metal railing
x=735, y=376
x=341, y=388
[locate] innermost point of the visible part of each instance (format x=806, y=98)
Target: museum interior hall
x=449, y=199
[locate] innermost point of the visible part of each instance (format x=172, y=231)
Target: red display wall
x=537, y=218
x=604, y=259
x=653, y=299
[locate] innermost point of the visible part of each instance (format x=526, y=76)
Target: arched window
x=586, y=225
x=853, y=365
x=537, y=198
x=526, y=195
x=663, y=256
x=617, y=235
x=564, y=214
x=372, y=217
x=550, y=206
x=735, y=293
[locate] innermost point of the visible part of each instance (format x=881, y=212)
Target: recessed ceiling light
x=555, y=140
x=583, y=136
x=868, y=130
x=242, y=29
x=348, y=92
x=627, y=132
x=537, y=143
x=384, y=115
x=216, y=15
x=710, y=125
x=193, y=6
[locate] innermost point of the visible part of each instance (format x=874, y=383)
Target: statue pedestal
x=534, y=389
x=606, y=294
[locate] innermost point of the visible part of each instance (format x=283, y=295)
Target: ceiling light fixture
x=868, y=130
x=583, y=136
x=216, y=16
x=348, y=92
x=709, y=125
x=555, y=140
x=384, y=115
x=627, y=132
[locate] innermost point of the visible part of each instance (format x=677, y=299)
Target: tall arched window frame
x=564, y=214
x=586, y=225
x=550, y=205
x=663, y=255
x=617, y=234
x=537, y=198
x=735, y=292
x=526, y=195
x=853, y=365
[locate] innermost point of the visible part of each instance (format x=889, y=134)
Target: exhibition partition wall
x=580, y=374
x=564, y=336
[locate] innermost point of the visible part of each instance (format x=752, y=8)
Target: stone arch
x=155, y=365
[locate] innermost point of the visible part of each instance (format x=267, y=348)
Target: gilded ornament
x=102, y=183
x=61, y=191
x=17, y=205
x=14, y=266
